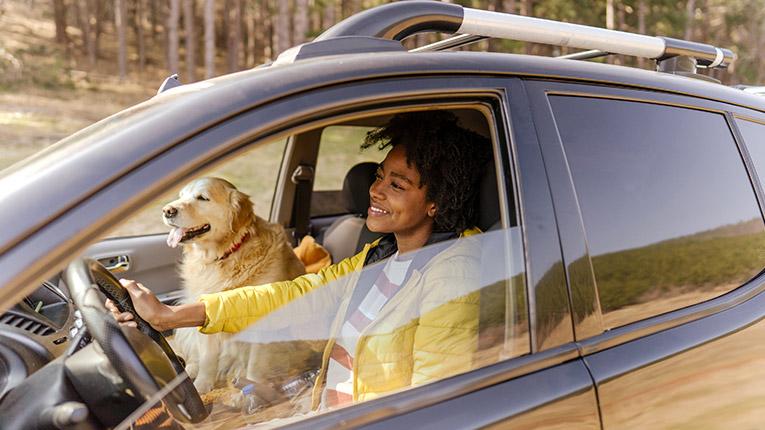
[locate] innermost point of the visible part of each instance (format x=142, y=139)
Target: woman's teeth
x=377, y=210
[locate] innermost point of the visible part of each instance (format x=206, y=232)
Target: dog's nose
x=169, y=211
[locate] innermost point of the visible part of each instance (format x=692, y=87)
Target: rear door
x=664, y=244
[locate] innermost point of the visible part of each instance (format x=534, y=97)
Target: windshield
x=342, y=336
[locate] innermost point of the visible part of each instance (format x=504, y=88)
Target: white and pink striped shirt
x=339, y=389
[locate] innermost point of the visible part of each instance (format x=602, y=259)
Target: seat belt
x=302, y=177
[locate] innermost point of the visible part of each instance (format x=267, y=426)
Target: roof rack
x=396, y=21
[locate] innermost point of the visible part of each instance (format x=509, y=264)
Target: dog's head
x=209, y=212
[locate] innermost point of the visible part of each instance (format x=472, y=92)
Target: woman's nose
x=374, y=190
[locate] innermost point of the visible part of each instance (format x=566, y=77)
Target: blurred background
x=65, y=64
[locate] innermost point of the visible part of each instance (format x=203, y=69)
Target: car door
x=663, y=244
x=144, y=257
x=548, y=387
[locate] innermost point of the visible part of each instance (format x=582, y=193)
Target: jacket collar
x=387, y=246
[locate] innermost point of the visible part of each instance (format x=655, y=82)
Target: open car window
x=461, y=306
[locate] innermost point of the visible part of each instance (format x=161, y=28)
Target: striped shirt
x=339, y=389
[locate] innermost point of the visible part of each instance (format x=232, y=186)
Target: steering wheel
x=83, y=276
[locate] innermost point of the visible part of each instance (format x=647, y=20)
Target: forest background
x=67, y=63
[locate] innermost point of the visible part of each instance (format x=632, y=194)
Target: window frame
x=350, y=99
x=589, y=329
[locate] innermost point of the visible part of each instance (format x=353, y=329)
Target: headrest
x=488, y=199
x=356, y=187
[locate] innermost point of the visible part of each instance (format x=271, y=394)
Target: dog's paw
x=204, y=385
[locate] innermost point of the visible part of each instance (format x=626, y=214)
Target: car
x=621, y=262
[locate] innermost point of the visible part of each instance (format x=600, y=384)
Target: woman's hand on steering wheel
x=146, y=304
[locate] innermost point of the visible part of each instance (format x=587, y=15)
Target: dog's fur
x=212, y=262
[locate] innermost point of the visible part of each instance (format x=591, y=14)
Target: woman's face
x=397, y=200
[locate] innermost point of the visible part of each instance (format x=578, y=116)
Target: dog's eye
x=203, y=198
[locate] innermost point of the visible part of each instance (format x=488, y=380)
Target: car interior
x=45, y=325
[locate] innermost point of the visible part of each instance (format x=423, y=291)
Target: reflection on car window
x=254, y=172
x=461, y=305
x=670, y=215
x=754, y=138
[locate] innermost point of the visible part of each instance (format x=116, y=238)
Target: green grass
x=699, y=262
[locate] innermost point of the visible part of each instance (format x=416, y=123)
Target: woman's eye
x=396, y=186
x=203, y=198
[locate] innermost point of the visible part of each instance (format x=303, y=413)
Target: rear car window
x=668, y=209
x=754, y=139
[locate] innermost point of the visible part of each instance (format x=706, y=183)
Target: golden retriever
x=226, y=246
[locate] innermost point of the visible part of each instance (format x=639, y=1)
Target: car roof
x=119, y=143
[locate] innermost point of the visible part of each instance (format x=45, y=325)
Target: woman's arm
x=159, y=315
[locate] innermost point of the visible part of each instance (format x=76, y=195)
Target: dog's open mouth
x=182, y=234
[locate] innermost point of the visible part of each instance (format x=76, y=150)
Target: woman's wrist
x=186, y=315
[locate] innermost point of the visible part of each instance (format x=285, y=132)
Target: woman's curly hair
x=450, y=160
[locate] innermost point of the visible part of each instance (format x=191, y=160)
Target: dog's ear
x=243, y=209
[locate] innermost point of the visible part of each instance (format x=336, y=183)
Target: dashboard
x=35, y=331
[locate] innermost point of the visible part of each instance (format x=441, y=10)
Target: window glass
x=253, y=172
x=461, y=306
x=670, y=215
x=339, y=150
x=402, y=320
x=754, y=139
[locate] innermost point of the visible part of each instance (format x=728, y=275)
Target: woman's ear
x=432, y=210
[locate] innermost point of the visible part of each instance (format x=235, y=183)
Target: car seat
x=347, y=235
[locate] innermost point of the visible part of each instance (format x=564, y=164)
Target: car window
x=339, y=150
x=461, y=307
x=253, y=172
x=460, y=304
x=669, y=212
x=754, y=139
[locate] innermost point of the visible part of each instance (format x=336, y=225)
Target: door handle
x=116, y=264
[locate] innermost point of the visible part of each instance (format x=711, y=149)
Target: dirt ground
x=44, y=94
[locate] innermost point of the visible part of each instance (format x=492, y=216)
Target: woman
x=410, y=320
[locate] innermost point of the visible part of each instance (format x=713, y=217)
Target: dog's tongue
x=175, y=236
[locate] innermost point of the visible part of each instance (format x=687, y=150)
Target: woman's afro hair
x=450, y=160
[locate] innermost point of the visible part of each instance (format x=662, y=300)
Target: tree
x=120, y=16
x=209, y=38
x=282, y=27
x=300, y=23
x=59, y=18
x=138, y=23
x=172, y=36
x=191, y=46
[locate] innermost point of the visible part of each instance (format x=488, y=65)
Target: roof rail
x=396, y=21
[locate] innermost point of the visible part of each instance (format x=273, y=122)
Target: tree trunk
x=300, y=24
x=120, y=24
x=209, y=38
x=138, y=21
x=59, y=18
x=282, y=26
x=99, y=14
x=246, y=31
x=328, y=15
x=610, y=15
x=690, y=14
x=641, y=27
x=259, y=34
x=87, y=31
x=191, y=47
x=154, y=21
x=233, y=37
x=172, y=36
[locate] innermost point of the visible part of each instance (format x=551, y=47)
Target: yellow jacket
x=426, y=332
